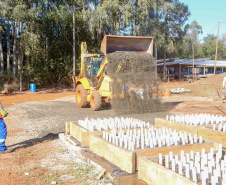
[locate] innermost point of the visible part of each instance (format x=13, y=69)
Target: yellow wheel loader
x=93, y=85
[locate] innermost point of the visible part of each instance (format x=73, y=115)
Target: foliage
x=42, y=32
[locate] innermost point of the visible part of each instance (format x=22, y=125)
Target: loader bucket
x=113, y=43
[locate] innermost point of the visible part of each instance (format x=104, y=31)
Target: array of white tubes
x=204, y=167
x=112, y=123
x=197, y=119
x=149, y=138
x=220, y=127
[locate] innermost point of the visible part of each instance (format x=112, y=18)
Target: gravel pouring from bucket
x=135, y=71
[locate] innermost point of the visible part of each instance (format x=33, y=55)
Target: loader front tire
x=95, y=101
x=81, y=96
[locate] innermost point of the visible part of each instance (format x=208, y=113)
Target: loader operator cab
x=92, y=65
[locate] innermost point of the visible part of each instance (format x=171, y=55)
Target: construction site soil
x=34, y=121
x=206, y=87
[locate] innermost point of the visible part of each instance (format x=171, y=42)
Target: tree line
x=36, y=36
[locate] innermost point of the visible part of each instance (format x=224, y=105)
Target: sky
x=208, y=13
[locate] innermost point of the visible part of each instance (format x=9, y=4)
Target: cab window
x=96, y=63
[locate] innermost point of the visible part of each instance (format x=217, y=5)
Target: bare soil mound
x=208, y=87
x=212, y=80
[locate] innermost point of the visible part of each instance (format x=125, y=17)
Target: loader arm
x=84, y=51
x=102, y=67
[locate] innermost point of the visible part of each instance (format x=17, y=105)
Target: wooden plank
x=209, y=125
x=153, y=173
x=178, y=126
x=131, y=179
x=67, y=128
x=86, y=135
x=154, y=152
x=82, y=134
x=208, y=134
x=76, y=131
x=124, y=159
x=213, y=135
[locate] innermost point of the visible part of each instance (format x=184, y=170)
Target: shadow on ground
x=167, y=106
x=31, y=142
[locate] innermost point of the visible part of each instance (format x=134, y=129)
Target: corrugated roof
x=198, y=62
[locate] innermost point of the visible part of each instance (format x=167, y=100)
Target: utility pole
x=156, y=57
x=193, y=67
x=73, y=13
x=164, y=68
x=216, y=48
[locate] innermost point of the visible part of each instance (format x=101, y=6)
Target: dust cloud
x=134, y=84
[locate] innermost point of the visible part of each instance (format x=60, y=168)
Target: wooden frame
x=128, y=160
x=120, y=157
x=82, y=134
x=178, y=126
x=153, y=173
x=203, y=130
x=175, y=149
x=213, y=135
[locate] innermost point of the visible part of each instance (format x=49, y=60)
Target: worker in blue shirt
x=3, y=131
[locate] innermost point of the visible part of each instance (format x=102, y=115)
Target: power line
x=213, y=29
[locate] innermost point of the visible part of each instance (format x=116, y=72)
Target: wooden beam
x=207, y=134
x=76, y=131
x=82, y=134
x=122, y=158
x=214, y=135
x=175, y=149
x=67, y=128
x=153, y=173
x=174, y=125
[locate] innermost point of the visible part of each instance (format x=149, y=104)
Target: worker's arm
x=2, y=111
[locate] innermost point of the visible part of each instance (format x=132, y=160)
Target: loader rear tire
x=95, y=101
x=81, y=96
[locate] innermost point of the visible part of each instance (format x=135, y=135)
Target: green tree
x=208, y=48
x=191, y=38
x=41, y=37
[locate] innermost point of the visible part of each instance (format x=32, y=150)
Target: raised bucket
x=33, y=87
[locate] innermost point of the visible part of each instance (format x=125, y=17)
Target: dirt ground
x=207, y=87
x=34, y=121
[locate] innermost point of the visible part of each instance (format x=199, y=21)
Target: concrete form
x=127, y=159
x=153, y=173
x=178, y=126
x=197, y=119
x=82, y=134
x=204, y=130
x=175, y=149
x=133, y=149
x=122, y=158
x=197, y=167
x=111, y=170
x=213, y=135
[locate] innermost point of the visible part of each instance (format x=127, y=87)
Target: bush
x=7, y=82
